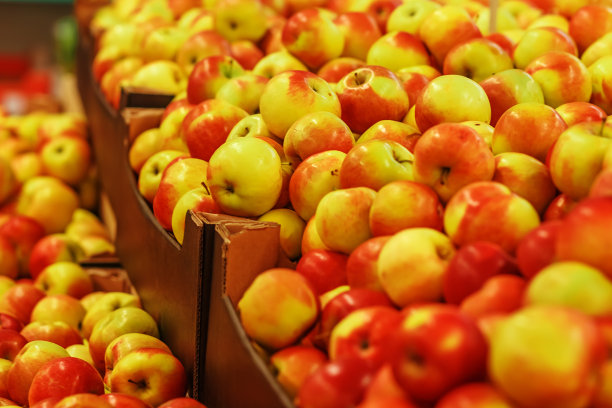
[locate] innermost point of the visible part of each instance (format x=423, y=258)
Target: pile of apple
x=62, y=343
x=445, y=190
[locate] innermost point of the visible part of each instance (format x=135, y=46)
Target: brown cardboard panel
x=166, y=275
x=139, y=97
x=236, y=374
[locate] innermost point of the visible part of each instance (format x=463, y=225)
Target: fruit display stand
x=166, y=276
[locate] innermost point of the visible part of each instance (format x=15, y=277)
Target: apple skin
x=312, y=179
x=450, y=156
x=393, y=130
x=589, y=23
x=67, y=278
x=543, y=124
x=121, y=400
x=240, y=20
x=198, y=46
x=127, y=343
x=103, y=305
x=577, y=112
x=152, y=375
x=408, y=17
x=276, y=63
x=474, y=395
x=360, y=30
x=575, y=237
x=451, y=98
x=314, y=133
x=362, y=264
x=208, y=75
x=245, y=177
x=412, y=263
x=294, y=364
x=525, y=348
x=396, y=50
x=339, y=383
x=29, y=360
x=243, y=91
x=59, y=333
x=601, y=80
x=404, y=204
x=152, y=171
x=499, y=295
x=363, y=333
x=472, y=265
x=23, y=232
x=291, y=292
x=161, y=75
x=49, y=201
x=587, y=143
x=492, y=58
x=324, y=269
x=559, y=207
x=182, y=402
x=246, y=52
x=66, y=158
x=489, y=211
x=371, y=94
x=334, y=70
x=120, y=321
x=527, y=177
x=537, y=249
x=53, y=248
x=62, y=377
x=198, y=199
x=82, y=401
x=11, y=343
x=19, y=300
x=375, y=163
x=5, y=365
x=342, y=218
x=8, y=321
x=180, y=176
x=562, y=77
x=537, y=41
x=292, y=94
x=425, y=364
x=291, y=230
x=508, y=88
x=9, y=264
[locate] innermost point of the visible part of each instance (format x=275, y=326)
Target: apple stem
x=206, y=188
x=140, y=384
x=444, y=175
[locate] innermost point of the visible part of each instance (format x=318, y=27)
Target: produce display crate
x=166, y=275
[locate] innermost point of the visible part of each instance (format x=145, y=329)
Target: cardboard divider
x=236, y=370
x=167, y=276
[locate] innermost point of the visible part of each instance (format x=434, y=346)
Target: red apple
x=209, y=74
x=8, y=321
x=360, y=31
x=500, y=294
x=475, y=395
x=58, y=332
x=11, y=343
x=19, y=301
x=361, y=266
x=324, y=269
x=182, y=402
x=537, y=249
x=334, y=70
x=590, y=23
x=121, y=400
x=82, y=400
x=294, y=364
x=577, y=112
x=24, y=232
x=53, y=248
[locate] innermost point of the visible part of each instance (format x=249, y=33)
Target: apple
x=196, y=20
x=240, y=19
x=412, y=263
x=334, y=70
x=121, y=400
x=62, y=377
x=451, y=98
x=292, y=94
x=375, y=163
x=243, y=91
x=393, y=130
x=120, y=73
x=404, y=204
x=370, y=94
x=527, y=177
x=312, y=37
x=460, y=60
x=294, y=364
x=54, y=248
x=472, y=265
x=291, y=292
x=123, y=320
x=559, y=207
x=384, y=391
x=5, y=365
x=49, y=201
x=65, y=278
x=314, y=133
x=127, y=343
x=474, y=395
x=339, y=383
x=435, y=349
x=571, y=78
x=163, y=43
x=537, y=249
x=152, y=171
x=182, y=402
x=409, y=16
x=82, y=400
x=291, y=230
x=498, y=296
x=484, y=130
x=80, y=351
x=19, y=300
x=144, y=146
x=324, y=269
x=250, y=126
x=23, y=232
x=198, y=199
x=26, y=165
x=601, y=79
x=9, y=263
x=598, y=49
x=163, y=76
x=450, y=156
x=57, y=332
x=360, y=30
x=446, y=27
x=198, y=46
x=180, y=176
x=104, y=304
x=530, y=127
x=8, y=321
x=587, y=141
x=277, y=62
x=589, y=23
x=233, y=173
x=577, y=112
x=524, y=355
x=396, y=50
x=538, y=41
x=209, y=74
x=489, y=211
x=246, y=52
x=30, y=359
x=11, y=343
x=362, y=264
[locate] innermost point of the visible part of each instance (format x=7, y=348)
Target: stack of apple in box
x=445, y=190
x=63, y=340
